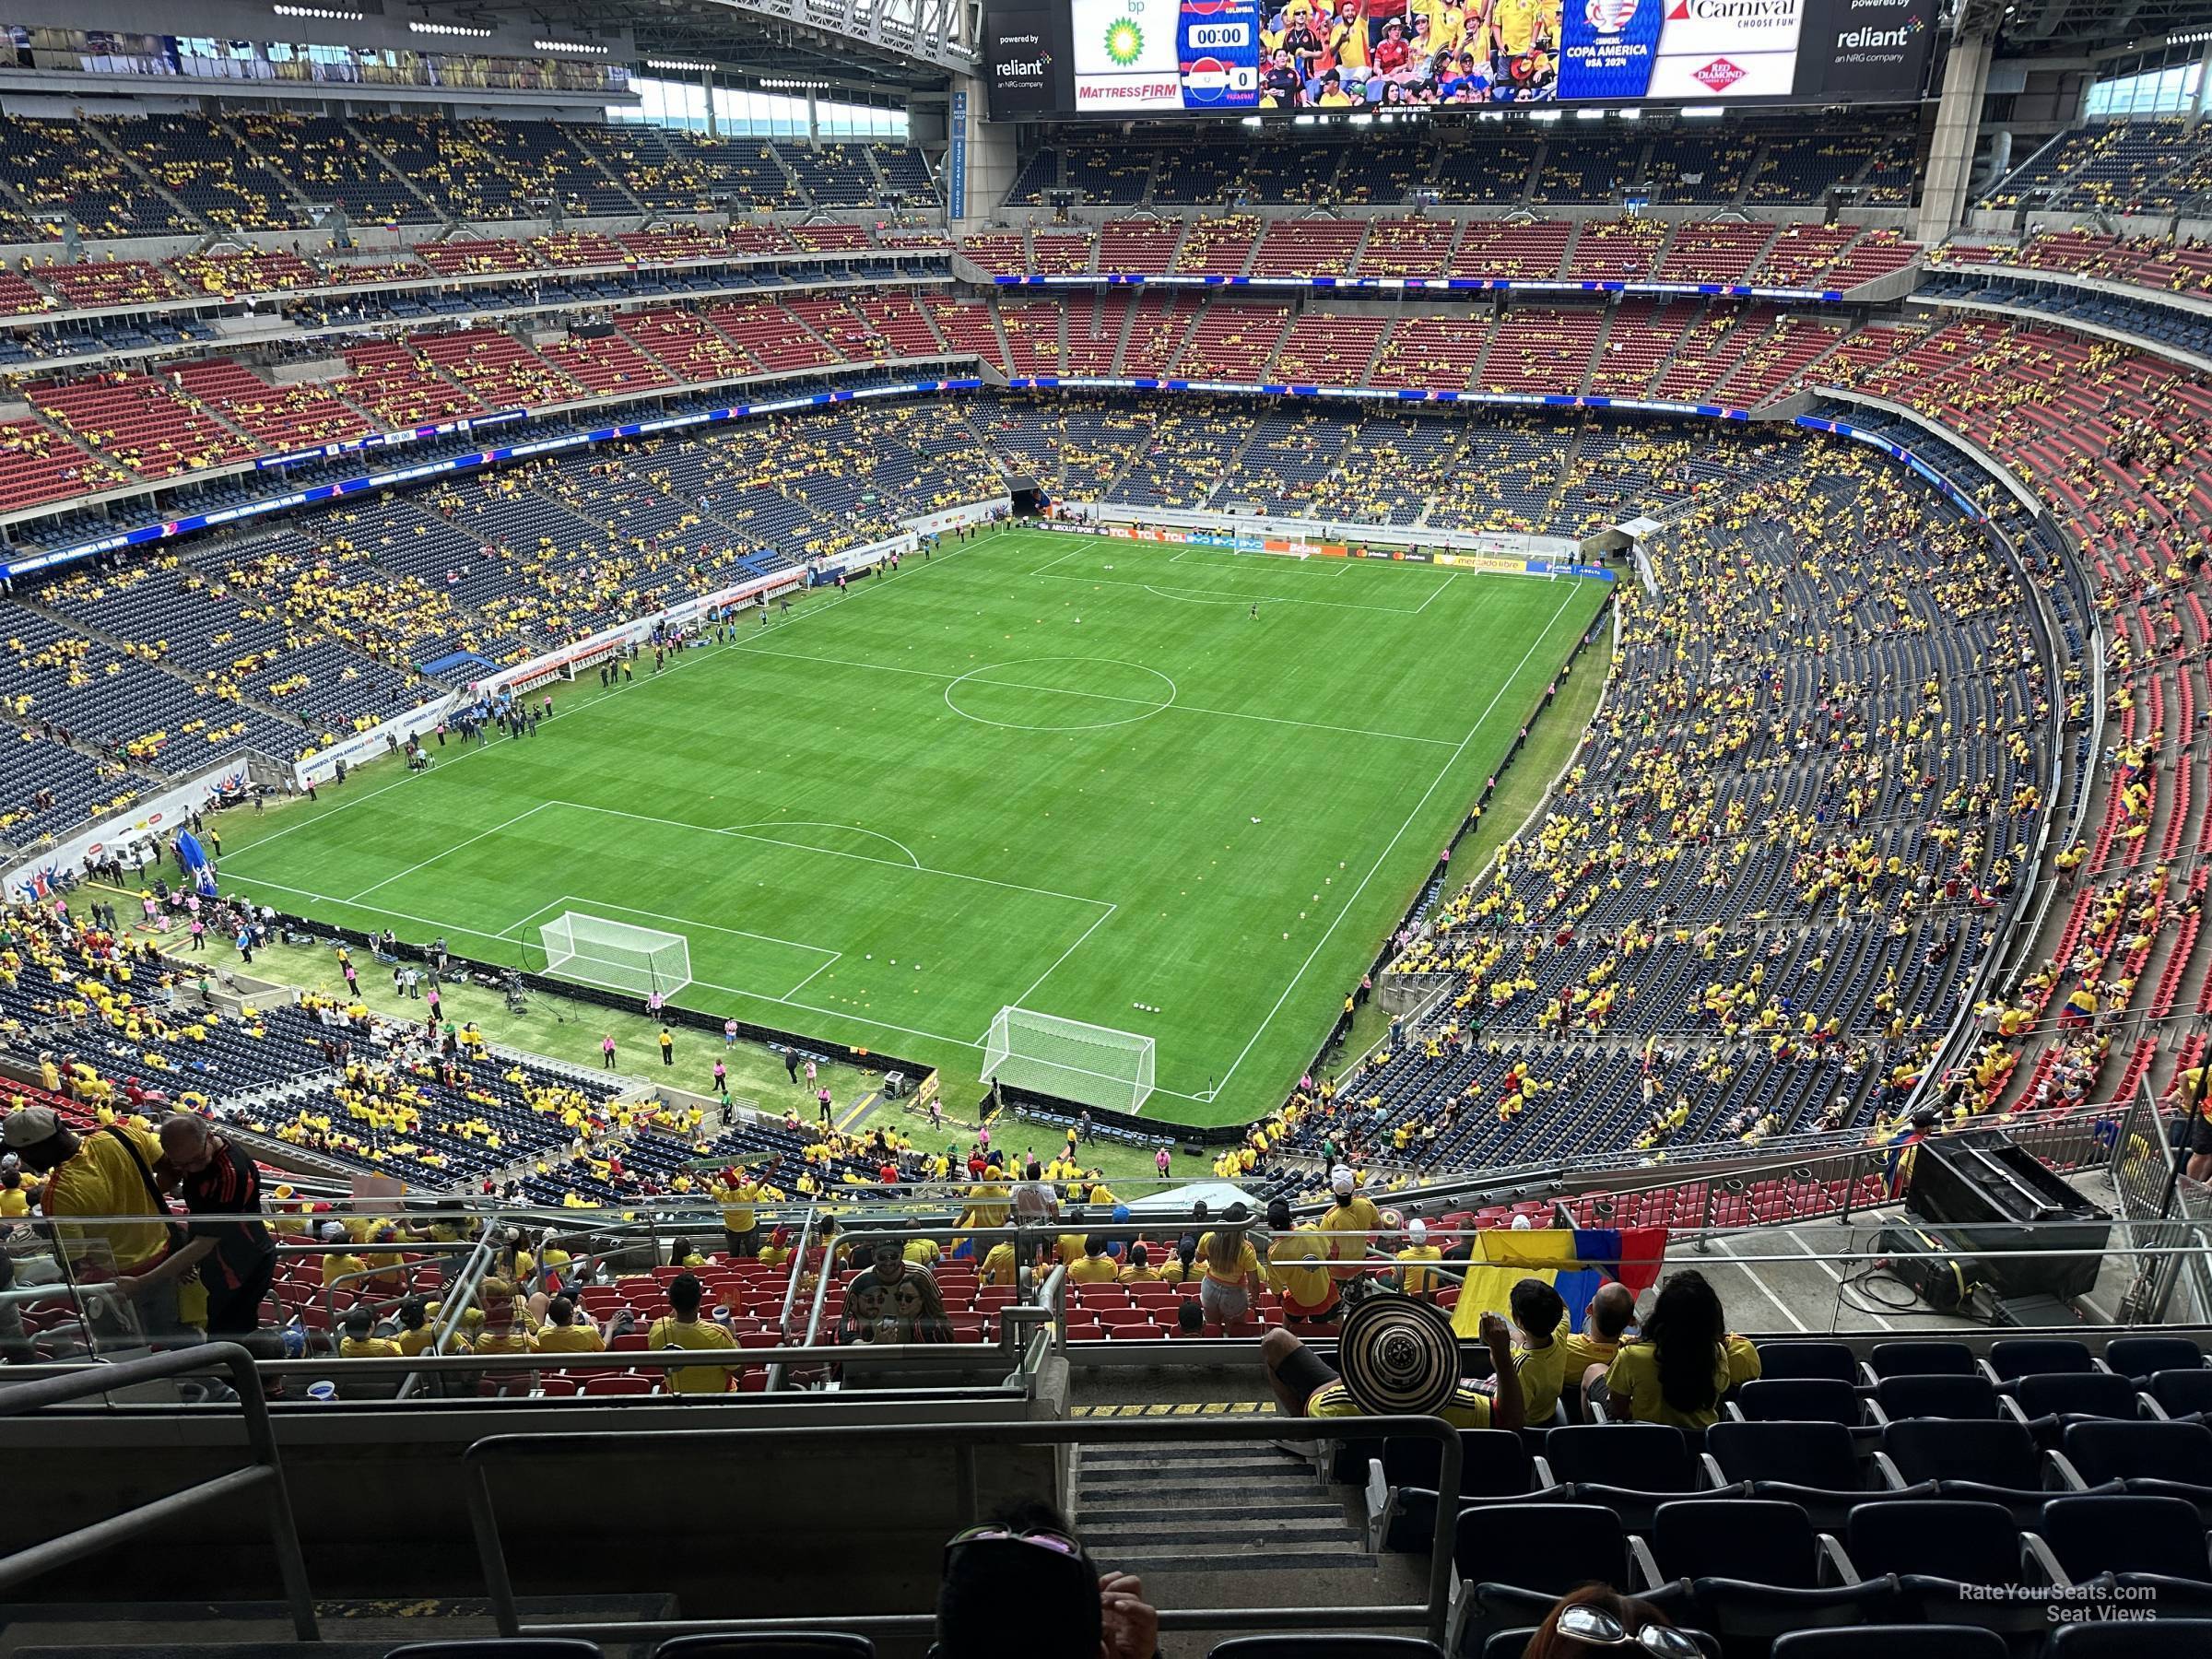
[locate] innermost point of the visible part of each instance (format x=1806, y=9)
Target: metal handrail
x=791, y=1289
x=265, y=1475
x=738, y=1446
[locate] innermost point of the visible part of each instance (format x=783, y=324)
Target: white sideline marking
x=1543, y=634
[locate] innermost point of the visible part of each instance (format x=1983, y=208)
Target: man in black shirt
x=235, y=1258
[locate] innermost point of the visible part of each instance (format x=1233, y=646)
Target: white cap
x=1340, y=1181
x=1417, y=1230
x=1522, y=1224
x=333, y=1231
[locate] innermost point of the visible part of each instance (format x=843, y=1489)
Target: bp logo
x=1124, y=41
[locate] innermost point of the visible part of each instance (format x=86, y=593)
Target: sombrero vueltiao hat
x=1398, y=1357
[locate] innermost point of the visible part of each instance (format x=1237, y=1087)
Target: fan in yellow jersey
x=683, y=1328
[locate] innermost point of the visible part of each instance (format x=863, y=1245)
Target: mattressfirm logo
x=1124, y=41
x=1718, y=75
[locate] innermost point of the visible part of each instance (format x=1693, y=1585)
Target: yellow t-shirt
x=1093, y=1270
x=1515, y=21
x=14, y=1202
x=370, y=1348
x=1354, y=1215
x=1585, y=1350
x=1634, y=1376
x=513, y=1340
x=998, y=1266
x=1247, y=1263
x=922, y=1251
x=737, y=1202
x=669, y=1332
x=1297, y=1269
x=1071, y=1248
x=102, y=1180
x=343, y=1262
x=1543, y=1373
x=1147, y=1275
x=1419, y=1280
x=1466, y=1409
x=412, y=1343
x=577, y=1338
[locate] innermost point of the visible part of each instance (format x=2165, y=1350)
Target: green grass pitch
x=1070, y=773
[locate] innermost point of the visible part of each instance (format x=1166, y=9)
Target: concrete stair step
x=1194, y=1520
x=1090, y=1491
x=1122, y=1507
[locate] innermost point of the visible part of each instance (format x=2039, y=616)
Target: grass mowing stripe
x=929, y=779
x=1481, y=720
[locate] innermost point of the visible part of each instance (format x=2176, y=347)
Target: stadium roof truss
x=2086, y=26
x=883, y=42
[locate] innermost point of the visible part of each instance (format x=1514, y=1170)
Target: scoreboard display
x=1136, y=58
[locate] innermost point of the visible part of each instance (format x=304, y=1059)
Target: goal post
x=1093, y=1065
x=615, y=956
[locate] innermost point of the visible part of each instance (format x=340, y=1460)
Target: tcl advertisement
x=1160, y=57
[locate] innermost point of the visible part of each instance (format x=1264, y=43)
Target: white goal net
x=616, y=955
x=1094, y=1065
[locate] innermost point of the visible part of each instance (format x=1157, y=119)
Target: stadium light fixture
x=1702, y=112
x=784, y=84
x=1253, y=121
x=1589, y=114
x=2195, y=37
x=679, y=65
x=1630, y=114
x=1547, y=114
x=570, y=46
x=322, y=14
x=469, y=31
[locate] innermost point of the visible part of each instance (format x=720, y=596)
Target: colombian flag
x=1573, y=1261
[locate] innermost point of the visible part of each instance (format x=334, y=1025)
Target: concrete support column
x=706, y=85
x=979, y=160
x=2204, y=85
x=813, y=122
x=1951, y=153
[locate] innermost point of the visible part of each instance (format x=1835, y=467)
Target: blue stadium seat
x=2144, y=1356
x=1521, y=1557
x=1891, y=1641
x=1960, y=1396
x=1994, y=1462
x=1800, y=1399
x=2183, y=1392
x=1812, y=1465
x=1936, y=1547
x=500, y=1647
x=2017, y=1357
x=1329, y=1646
x=2165, y=1460
x=1758, y=1568
x=1632, y=1468
x=1783, y=1361
x=1401, y=1484
x=768, y=1645
x=1921, y=1360
x=2158, y=1639
x=2154, y=1544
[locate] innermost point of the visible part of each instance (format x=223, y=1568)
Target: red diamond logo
x=1718, y=75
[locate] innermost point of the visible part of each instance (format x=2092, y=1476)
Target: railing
x=265, y=1476
x=741, y=1447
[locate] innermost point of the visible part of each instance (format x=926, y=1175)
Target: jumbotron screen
x=1126, y=58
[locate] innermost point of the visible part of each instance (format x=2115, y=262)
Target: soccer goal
x=1094, y=1065
x=616, y=955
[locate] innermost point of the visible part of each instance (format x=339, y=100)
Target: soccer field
x=1072, y=775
